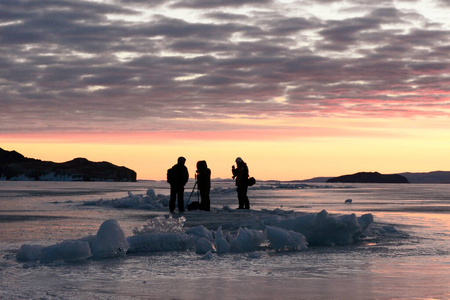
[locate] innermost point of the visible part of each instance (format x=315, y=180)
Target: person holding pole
x=204, y=184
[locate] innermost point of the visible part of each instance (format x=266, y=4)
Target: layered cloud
x=164, y=65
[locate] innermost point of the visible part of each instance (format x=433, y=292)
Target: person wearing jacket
x=204, y=184
x=177, y=177
x=240, y=173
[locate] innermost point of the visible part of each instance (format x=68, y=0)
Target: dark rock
x=14, y=165
x=370, y=177
x=10, y=157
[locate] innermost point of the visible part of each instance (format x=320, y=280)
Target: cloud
x=88, y=65
x=218, y=3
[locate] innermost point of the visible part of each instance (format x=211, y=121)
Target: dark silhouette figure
x=177, y=176
x=204, y=184
x=241, y=174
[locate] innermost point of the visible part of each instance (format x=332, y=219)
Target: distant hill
x=316, y=179
x=430, y=177
x=426, y=177
x=370, y=177
x=14, y=166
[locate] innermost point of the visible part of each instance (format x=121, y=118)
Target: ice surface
x=110, y=241
x=385, y=265
x=321, y=229
x=201, y=232
x=162, y=224
x=158, y=202
x=364, y=221
x=150, y=201
x=207, y=256
x=153, y=242
x=282, y=230
x=68, y=251
x=48, y=177
x=204, y=246
x=222, y=245
x=29, y=253
x=283, y=239
x=247, y=240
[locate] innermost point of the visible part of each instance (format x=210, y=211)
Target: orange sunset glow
x=297, y=89
x=286, y=154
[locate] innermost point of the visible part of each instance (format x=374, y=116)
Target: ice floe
x=109, y=241
x=275, y=230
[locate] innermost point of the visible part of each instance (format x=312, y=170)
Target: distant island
x=420, y=177
x=370, y=177
x=14, y=166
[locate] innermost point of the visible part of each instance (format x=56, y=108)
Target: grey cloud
x=200, y=46
x=176, y=28
x=218, y=3
x=286, y=26
x=347, y=31
x=145, y=3
x=387, y=14
x=227, y=16
x=66, y=64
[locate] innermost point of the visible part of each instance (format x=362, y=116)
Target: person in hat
x=177, y=177
x=240, y=173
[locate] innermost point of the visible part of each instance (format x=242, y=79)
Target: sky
x=298, y=89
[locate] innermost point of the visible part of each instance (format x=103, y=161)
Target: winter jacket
x=203, y=176
x=241, y=173
x=178, y=175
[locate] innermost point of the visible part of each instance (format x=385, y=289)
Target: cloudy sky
x=309, y=88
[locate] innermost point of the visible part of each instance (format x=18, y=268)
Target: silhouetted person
x=204, y=184
x=177, y=176
x=241, y=175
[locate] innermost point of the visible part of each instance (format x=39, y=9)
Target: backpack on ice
x=194, y=205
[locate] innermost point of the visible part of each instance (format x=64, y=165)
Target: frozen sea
x=410, y=261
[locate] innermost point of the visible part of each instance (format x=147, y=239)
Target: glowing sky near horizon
x=297, y=88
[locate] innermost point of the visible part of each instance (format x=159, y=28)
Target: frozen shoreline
x=385, y=263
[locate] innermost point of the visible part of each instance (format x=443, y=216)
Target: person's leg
x=205, y=200
x=202, y=199
x=240, y=197
x=181, y=199
x=173, y=196
x=245, y=198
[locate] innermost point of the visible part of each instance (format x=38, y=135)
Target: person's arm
x=186, y=175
